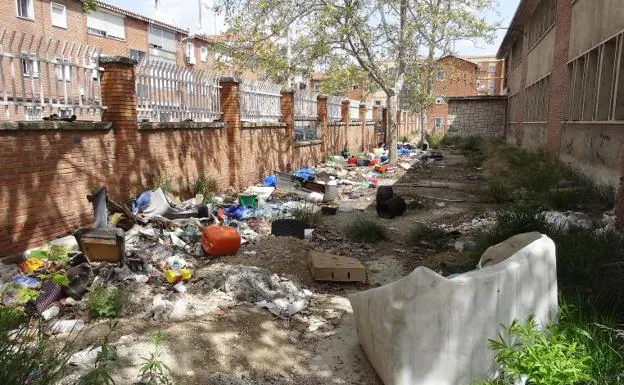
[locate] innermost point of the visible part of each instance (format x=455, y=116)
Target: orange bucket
x=218, y=241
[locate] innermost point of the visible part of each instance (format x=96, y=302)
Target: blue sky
x=184, y=13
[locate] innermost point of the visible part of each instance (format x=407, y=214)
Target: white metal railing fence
x=354, y=109
x=45, y=76
x=334, y=108
x=306, y=105
x=369, y=112
x=260, y=101
x=170, y=93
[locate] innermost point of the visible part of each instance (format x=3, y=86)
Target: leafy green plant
x=53, y=253
x=437, y=237
x=162, y=180
x=58, y=277
x=546, y=357
x=105, y=302
x=449, y=140
x=305, y=214
x=153, y=371
x=205, y=186
x=100, y=373
x=23, y=295
x=363, y=230
x=27, y=353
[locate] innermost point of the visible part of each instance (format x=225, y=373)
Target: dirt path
x=249, y=342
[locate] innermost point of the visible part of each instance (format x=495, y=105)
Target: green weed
x=366, y=231
x=105, y=302
x=153, y=371
x=435, y=141
x=162, y=180
x=204, y=185
x=437, y=237
x=100, y=373
x=498, y=189
x=305, y=214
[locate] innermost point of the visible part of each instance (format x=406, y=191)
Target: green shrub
x=582, y=349
x=547, y=357
x=435, y=141
x=27, y=352
x=363, y=230
x=305, y=214
x=105, y=302
x=437, y=237
x=449, y=140
x=205, y=186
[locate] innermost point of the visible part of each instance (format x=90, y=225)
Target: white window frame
x=65, y=112
x=438, y=119
x=107, y=33
x=441, y=78
x=30, y=66
x=33, y=113
x=490, y=66
x=203, y=53
x=190, y=52
x=65, y=67
x=439, y=100
x=317, y=87
x=31, y=10
x=64, y=23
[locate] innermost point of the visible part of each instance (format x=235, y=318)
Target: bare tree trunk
x=391, y=129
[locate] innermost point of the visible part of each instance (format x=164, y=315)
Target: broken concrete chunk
x=425, y=329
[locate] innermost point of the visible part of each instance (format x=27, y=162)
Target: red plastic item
x=380, y=168
x=373, y=162
x=218, y=241
x=352, y=160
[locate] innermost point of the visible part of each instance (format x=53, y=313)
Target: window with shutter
x=106, y=24
x=59, y=15
x=25, y=9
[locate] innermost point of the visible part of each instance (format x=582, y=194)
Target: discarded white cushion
x=425, y=329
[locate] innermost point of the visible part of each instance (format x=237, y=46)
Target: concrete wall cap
x=117, y=60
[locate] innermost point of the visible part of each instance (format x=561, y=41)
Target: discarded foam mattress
x=425, y=329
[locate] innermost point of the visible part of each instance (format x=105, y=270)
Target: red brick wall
x=559, y=76
x=354, y=137
x=335, y=138
x=264, y=149
x=460, y=80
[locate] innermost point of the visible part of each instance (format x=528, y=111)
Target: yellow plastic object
x=30, y=265
x=174, y=276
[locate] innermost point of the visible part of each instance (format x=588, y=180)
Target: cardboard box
x=328, y=267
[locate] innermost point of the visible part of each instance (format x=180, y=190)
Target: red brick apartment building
x=109, y=29
x=565, y=81
x=490, y=74
x=455, y=77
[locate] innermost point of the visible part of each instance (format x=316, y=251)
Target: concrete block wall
x=483, y=117
x=43, y=195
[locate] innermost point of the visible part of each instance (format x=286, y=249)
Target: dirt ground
x=321, y=345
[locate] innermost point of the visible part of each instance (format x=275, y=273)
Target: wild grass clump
x=435, y=141
x=437, y=237
x=305, y=214
x=363, y=230
x=162, y=180
x=205, y=186
x=498, y=190
x=450, y=140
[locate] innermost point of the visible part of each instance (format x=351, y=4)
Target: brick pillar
x=321, y=107
x=345, y=121
x=559, y=77
x=376, y=112
x=119, y=95
x=288, y=117
x=363, y=125
x=230, y=112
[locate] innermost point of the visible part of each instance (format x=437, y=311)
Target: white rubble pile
x=568, y=221
x=279, y=295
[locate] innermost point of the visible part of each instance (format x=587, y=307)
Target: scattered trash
x=50, y=313
x=568, y=221
x=219, y=241
x=179, y=287
x=66, y=326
